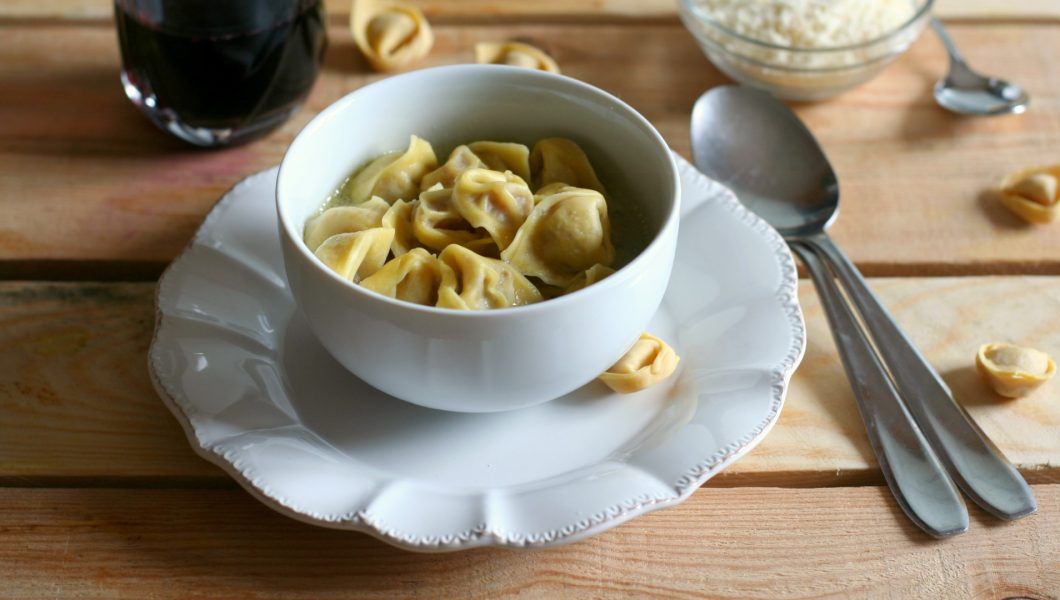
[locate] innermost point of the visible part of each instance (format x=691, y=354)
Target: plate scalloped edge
x=481, y=535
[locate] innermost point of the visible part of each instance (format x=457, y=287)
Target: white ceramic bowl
x=479, y=361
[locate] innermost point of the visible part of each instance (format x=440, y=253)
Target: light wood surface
x=76, y=403
x=83, y=177
x=101, y=496
x=567, y=10
x=722, y=543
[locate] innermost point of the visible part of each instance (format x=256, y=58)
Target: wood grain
x=721, y=543
x=84, y=177
x=76, y=405
x=568, y=10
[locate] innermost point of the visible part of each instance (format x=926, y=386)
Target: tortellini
x=1014, y=371
x=516, y=54
x=344, y=219
x=469, y=234
x=567, y=233
x=648, y=362
x=559, y=160
x=504, y=156
x=480, y=283
x=399, y=218
x=355, y=256
x=437, y=224
x=393, y=176
x=1031, y=194
x=497, y=202
x=414, y=276
x=590, y=276
x=391, y=34
x=460, y=159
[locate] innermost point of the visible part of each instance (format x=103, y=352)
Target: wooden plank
x=477, y=10
x=76, y=403
x=820, y=437
x=723, y=543
x=84, y=177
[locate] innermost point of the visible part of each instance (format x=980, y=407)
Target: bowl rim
x=666, y=231
x=693, y=8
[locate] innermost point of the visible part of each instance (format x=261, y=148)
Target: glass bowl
x=799, y=73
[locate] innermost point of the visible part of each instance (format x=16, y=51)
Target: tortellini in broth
x=344, y=219
x=415, y=276
x=497, y=202
x=437, y=224
x=481, y=282
x=470, y=234
x=567, y=233
x=559, y=160
x=392, y=176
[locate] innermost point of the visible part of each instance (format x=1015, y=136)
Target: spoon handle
x=947, y=41
x=975, y=463
x=911, y=469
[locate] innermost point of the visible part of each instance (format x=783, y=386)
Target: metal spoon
x=911, y=469
x=966, y=92
x=753, y=143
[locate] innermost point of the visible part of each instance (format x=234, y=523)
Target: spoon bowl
x=966, y=92
x=782, y=175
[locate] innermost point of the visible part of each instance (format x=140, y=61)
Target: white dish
x=482, y=361
x=259, y=396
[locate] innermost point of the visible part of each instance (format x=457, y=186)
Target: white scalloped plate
x=258, y=396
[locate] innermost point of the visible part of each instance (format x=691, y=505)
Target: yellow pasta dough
x=516, y=54
x=1014, y=371
x=1031, y=194
x=480, y=283
x=391, y=34
x=399, y=218
x=393, y=176
x=504, y=156
x=460, y=159
x=497, y=202
x=648, y=362
x=588, y=277
x=567, y=233
x=559, y=160
x=355, y=256
x=437, y=224
x=414, y=276
x=344, y=219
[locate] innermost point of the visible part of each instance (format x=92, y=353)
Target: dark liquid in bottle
x=235, y=65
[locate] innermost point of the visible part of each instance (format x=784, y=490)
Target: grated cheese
x=810, y=23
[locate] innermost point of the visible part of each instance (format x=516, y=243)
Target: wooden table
x=102, y=497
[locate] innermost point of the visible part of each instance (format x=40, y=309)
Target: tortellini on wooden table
x=391, y=34
x=1014, y=371
x=494, y=226
x=517, y=54
x=1032, y=194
